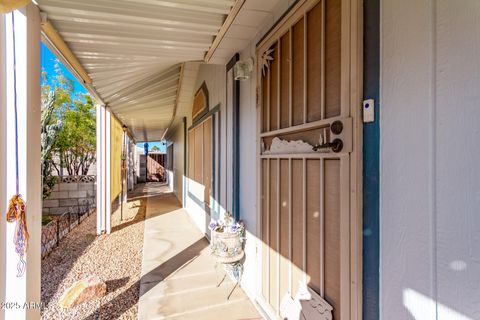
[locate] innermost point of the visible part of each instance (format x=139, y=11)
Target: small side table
x=232, y=269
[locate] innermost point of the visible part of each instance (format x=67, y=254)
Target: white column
x=100, y=168
x=103, y=170
x=107, y=166
x=3, y=197
x=20, y=292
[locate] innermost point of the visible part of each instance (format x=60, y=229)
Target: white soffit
x=249, y=22
x=133, y=50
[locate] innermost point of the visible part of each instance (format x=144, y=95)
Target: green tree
x=73, y=145
x=155, y=148
x=76, y=142
x=48, y=135
x=55, y=96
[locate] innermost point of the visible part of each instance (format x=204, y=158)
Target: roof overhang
x=130, y=53
x=141, y=57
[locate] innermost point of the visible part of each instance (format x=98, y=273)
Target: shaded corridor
x=178, y=273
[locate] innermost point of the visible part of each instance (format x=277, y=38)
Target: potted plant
x=227, y=240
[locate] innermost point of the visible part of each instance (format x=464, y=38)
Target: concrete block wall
x=67, y=195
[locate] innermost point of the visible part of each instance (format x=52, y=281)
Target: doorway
x=200, y=162
x=309, y=157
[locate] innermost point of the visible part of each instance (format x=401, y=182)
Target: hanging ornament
x=17, y=207
x=16, y=213
x=266, y=58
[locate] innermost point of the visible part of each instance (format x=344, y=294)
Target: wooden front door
x=200, y=162
x=308, y=84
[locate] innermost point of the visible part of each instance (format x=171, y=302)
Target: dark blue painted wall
x=371, y=159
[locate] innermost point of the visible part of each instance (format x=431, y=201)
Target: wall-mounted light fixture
x=243, y=70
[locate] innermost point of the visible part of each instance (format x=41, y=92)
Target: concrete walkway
x=178, y=273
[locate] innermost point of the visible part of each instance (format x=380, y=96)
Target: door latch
x=336, y=136
x=336, y=145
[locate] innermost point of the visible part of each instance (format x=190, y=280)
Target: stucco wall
x=430, y=184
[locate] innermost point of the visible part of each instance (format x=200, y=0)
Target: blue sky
x=48, y=65
x=159, y=144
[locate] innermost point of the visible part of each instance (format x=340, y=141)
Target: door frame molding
x=235, y=137
x=351, y=97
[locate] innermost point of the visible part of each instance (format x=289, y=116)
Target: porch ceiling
x=133, y=50
x=254, y=18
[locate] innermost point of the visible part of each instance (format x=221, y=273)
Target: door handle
x=336, y=145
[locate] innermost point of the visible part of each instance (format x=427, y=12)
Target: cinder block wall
x=69, y=195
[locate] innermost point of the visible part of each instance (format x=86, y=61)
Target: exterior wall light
x=243, y=69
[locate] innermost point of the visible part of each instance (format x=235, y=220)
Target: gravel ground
x=115, y=259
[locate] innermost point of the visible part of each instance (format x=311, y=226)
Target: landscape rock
x=84, y=290
x=82, y=253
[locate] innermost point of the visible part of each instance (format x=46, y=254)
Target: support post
x=108, y=170
x=22, y=293
x=100, y=168
x=3, y=197
x=103, y=170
